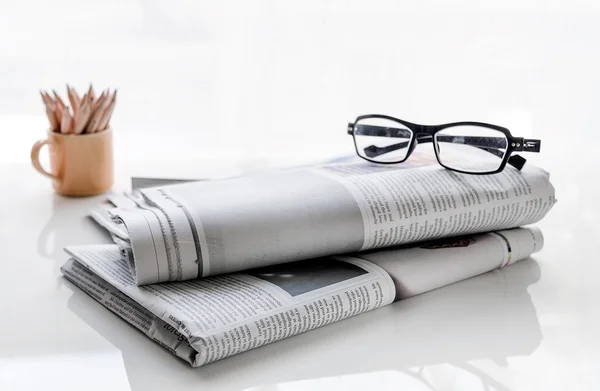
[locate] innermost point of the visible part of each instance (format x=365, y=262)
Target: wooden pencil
x=52, y=119
x=44, y=99
x=98, y=112
x=106, y=116
x=59, y=101
x=74, y=99
x=66, y=120
x=91, y=93
x=83, y=118
x=55, y=112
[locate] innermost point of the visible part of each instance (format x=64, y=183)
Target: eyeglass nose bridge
x=422, y=137
x=417, y=136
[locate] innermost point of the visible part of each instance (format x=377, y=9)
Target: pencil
x=98, y=112
x=107, y=114
x=65, y=123
x=91, y=93
x=59, y=101
x=55, y=108
x=52, y=119
x=44, y=99
x=74, y=99
x=83, y=117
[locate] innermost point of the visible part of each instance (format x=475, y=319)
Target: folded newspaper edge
x=200, y=229
x=205, y=320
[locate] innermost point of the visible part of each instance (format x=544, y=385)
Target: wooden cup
x=81, y=164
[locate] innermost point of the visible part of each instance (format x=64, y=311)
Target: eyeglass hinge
x=350, y=128
x=517, y=143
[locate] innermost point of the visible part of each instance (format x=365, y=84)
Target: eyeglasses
x=466, y=147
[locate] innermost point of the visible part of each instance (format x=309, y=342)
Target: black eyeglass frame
x=514, y=144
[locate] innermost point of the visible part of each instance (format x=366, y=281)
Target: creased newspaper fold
x=200, y=229
x=205, y=320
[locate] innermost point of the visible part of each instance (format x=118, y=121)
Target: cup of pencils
x=79, y=141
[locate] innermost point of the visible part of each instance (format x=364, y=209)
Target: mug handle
x=35, y=158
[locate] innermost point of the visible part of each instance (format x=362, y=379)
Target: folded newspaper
x=285, y=230
x=201, y=229
x=208, y=319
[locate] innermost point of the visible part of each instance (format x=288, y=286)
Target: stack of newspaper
x=212, y=269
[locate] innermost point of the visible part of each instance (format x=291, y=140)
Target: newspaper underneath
x=199, y=229
x=205, y=320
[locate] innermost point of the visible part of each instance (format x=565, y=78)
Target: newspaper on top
x=205, y=320
x=201, y=229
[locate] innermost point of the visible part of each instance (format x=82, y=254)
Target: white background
x=277, y=80
x=217, y=88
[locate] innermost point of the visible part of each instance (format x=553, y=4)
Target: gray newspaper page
x=202, y=321
x=206, y=320
x=201, y=229
x=434, y=264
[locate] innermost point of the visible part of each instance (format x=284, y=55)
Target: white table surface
x=530, y=326
x=216, y=91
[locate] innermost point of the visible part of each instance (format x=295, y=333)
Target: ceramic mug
x=80, y=164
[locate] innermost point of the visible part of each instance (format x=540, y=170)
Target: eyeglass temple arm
x=374, y=151
x=518, y=143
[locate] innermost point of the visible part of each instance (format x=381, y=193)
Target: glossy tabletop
x=214, y=91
